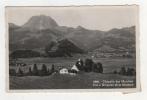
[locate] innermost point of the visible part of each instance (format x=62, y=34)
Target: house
x=63, y=71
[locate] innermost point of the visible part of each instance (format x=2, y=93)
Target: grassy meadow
x=82, y=80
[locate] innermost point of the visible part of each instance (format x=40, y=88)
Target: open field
x=82, y=80
x=56, y=81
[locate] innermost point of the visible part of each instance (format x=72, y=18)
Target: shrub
x=130, y=72
x=115, y=72
x=123, y=71
x=97, y=67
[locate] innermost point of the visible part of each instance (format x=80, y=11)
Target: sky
x=90, y=17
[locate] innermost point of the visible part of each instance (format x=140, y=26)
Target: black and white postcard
x=77, y=48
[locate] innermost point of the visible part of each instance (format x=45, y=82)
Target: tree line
x=44, y=71
x=125, y=71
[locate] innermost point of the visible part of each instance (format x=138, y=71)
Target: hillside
x=62, y=48
x=41, y=30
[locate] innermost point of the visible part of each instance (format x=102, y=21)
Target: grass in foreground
x=57, y=81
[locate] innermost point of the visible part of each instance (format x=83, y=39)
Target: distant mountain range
x=40, y=31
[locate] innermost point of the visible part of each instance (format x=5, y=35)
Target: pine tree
x=44, y=70
x=35, y=70
x=53, y=68
x=30, y=71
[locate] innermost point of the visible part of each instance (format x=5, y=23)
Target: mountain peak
x=80, y=27
x=40, y=22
